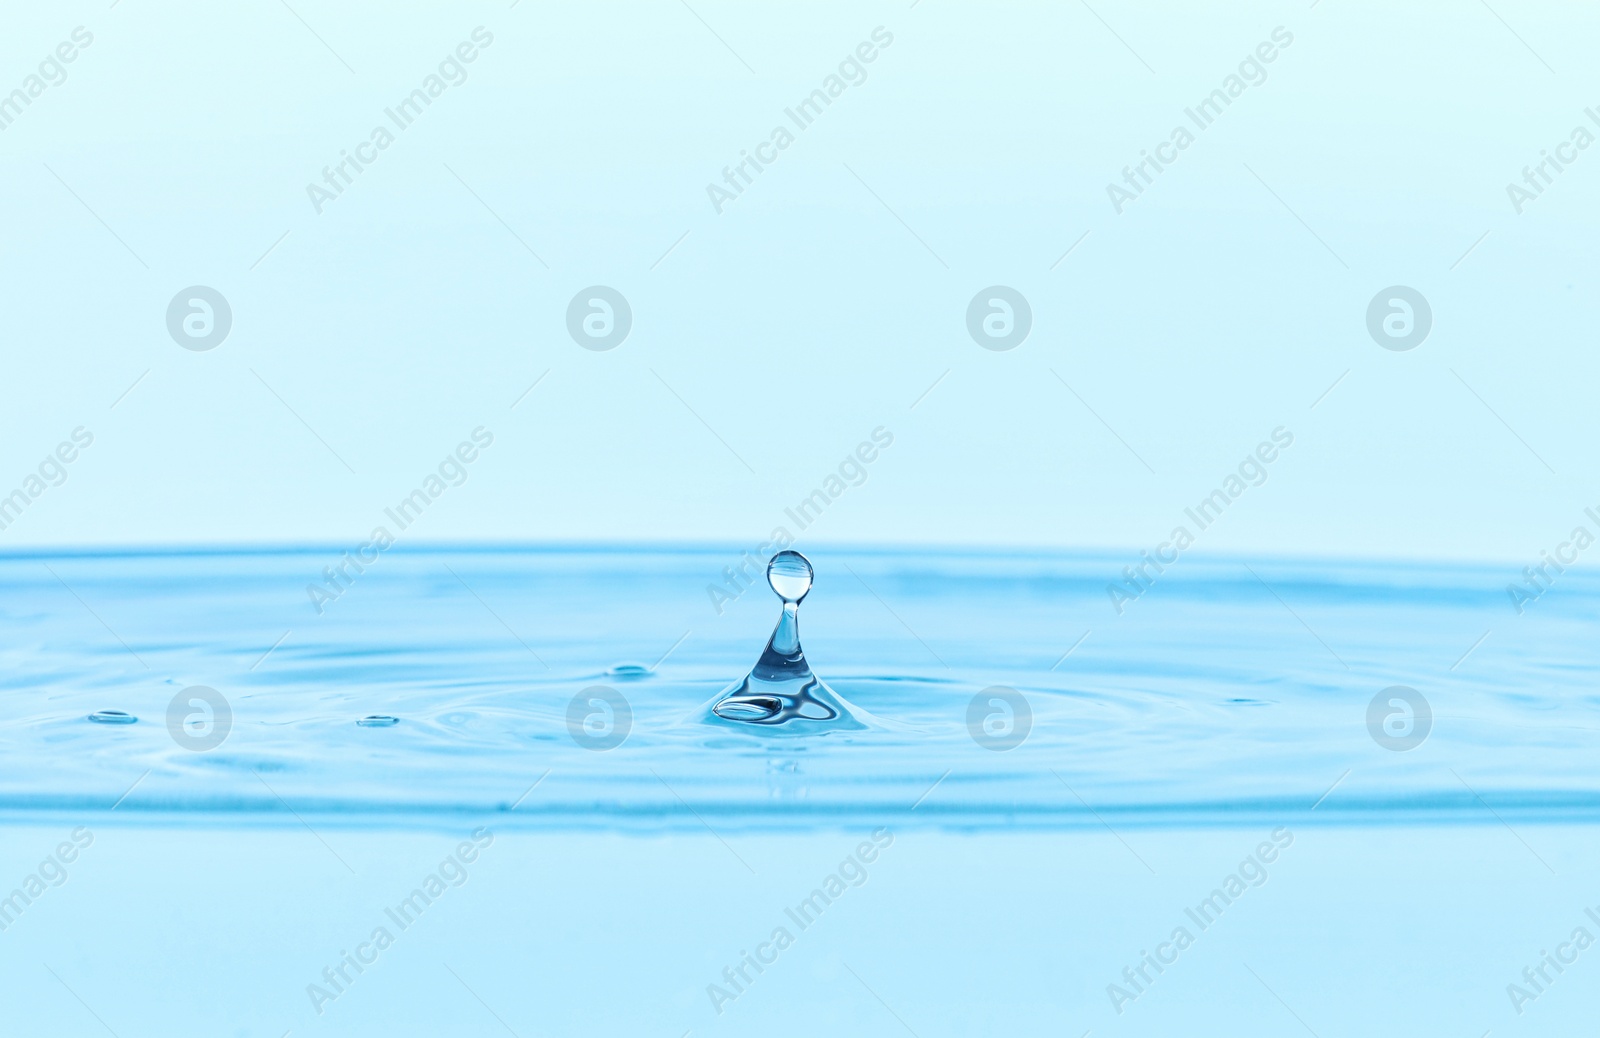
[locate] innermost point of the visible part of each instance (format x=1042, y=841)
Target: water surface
x=1232, y=689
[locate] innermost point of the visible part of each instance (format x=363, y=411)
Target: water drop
x=378, y=721
x=780, y=689
x=790, y=575
x=112, y=717
x=628, y=672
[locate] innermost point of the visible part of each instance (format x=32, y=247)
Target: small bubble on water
x=628, y=672
x=378, y=721
x=112, y=717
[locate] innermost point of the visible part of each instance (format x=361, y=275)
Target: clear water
x=1049, y=792
x=782, y=695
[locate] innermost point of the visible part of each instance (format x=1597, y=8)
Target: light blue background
x=806, y=314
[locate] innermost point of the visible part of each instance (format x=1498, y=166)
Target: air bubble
x=112, y=717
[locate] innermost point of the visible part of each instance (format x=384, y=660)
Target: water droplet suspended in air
x=112, y=717
x=378, y=721
x=780, y=689
x=790, y=575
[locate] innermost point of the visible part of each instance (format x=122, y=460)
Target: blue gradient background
x=806, y=314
